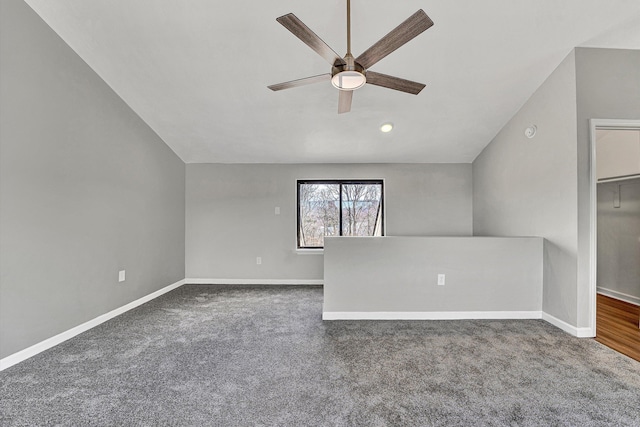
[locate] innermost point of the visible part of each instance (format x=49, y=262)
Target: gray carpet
x=262, y=356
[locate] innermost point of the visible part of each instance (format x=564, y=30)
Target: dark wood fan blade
x=301, y=82
x=395, y=83
x=304, y=33
x=344, y=101
x=413, y=26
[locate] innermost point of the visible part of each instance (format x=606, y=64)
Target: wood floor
x=617, y=326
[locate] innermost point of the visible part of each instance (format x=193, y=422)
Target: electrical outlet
x=277, y=210
x=121, y=276
x=259, y=260
x=440, y=279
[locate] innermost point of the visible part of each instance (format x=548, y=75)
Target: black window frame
x=340, y=182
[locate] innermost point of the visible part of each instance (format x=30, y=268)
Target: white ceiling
x=197, y=71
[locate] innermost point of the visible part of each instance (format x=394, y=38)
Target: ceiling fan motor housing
x=348, y=76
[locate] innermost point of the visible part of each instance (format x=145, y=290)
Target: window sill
x=310, y=251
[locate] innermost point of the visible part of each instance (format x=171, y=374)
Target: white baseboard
x=253, y=281
x=570, y=329
x=61, y=337
x=619, y=295
x=429, y=315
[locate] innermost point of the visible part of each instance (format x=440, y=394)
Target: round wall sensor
x=530, y=132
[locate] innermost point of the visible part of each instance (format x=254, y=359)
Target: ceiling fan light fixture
x=348, y=80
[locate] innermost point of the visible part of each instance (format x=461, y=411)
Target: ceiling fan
x=349, y=73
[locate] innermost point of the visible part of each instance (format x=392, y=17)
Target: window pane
x=319, y=213
x=361, y=210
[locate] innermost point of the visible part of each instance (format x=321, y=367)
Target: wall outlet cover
x=121, y=276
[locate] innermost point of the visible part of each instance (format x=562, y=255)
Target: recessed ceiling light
x=387, y=127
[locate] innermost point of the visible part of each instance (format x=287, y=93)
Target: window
x=338, y=208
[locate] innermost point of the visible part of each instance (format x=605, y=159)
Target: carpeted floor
x=262, y=356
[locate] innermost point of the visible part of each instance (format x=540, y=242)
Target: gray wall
x=86, y=189
x=230, y=213
x=527, y=187
x=619, y=237
x=541, y=186
x=399, y=274
x=608, y=87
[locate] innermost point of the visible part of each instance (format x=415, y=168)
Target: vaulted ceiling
x=197, y=71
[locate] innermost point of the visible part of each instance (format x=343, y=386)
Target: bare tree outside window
x=361, y=205
x=318, y=213
x=338, y=208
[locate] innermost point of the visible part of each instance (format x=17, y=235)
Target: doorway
x=615, y=234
